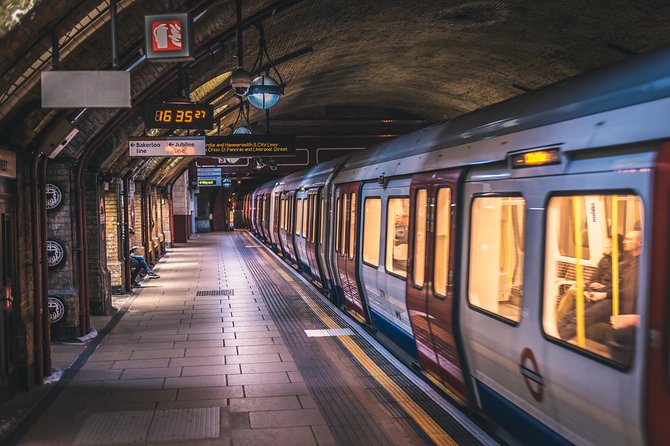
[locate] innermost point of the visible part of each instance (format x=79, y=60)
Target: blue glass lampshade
x=264, y=92
x=242, y=131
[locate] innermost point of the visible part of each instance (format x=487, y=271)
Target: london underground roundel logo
x=530, y=371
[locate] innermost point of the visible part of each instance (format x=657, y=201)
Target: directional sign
x=170, y=146
x=209, y=181
x=209, y=172
x=250, y=145
x=227, y=182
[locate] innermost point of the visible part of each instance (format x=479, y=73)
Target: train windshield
x=593, y=246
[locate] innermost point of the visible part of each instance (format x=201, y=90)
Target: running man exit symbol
x=166, y=35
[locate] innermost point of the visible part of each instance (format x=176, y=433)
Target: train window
x=372, y=221
x=286, y=213
x=282, y=213
x=310, y=209
x=304, y=218
x=496, y=255
x=566, y=234
x=590, y=300
x=352, y=227
x=442, y=229
x=314, y=213
x=291, y=216
x=264, y=211
x=343, y=221
x=338, y=217
x=396, y=236
x=420, y=215
x=298, y=219
x=323, y=220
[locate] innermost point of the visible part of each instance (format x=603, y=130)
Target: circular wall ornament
x=56, y=309
x=54, y=196
x=55, y=253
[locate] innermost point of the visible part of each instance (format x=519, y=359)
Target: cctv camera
x=240, y=80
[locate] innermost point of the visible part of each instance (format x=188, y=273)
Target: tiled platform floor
x=217, y=364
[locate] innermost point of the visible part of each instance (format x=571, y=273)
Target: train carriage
x=520, y=254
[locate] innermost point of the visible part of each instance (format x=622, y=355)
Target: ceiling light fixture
x=264, y=91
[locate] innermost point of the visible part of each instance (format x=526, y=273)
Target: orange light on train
x=535, y=158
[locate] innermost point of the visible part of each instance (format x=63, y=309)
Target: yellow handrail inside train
x=579, y=273
x=615, y=255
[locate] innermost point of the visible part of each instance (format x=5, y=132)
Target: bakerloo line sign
x=228, y=146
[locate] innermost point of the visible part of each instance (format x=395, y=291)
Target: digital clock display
x=179, y=116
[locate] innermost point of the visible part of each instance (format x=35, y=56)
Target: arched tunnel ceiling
x=347, y=64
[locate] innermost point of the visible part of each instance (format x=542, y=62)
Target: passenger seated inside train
x=617, y=331
x=598, y=303
x=605, y=321
x=624, y=325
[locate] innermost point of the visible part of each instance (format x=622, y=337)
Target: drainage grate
x=185, y=424
x=215, y=293
x=142, y=426
x=116, y=427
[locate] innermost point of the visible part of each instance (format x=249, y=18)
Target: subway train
x=518, y=253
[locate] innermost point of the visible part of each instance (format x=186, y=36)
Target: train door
x=346, y=241
x=281, y=229
x=290, y=227
x=499, y=313
x=311, y=239
x=430, y=291
x=266, y=217
x=274, y=222
x=8, y=370
x=595, y=307
x=321, y=240
x=300, y=230
x=384, y=271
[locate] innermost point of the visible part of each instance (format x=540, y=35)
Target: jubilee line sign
x=169, y=146
x=238, y=146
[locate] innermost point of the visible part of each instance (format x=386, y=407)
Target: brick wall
x=62, y=228
x=25, y=291
x=99, y=289
x=180, y=209
x=165, y=221
x=112, y=228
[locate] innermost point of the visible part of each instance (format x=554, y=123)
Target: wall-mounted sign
x=209, y=181
x=168, y=37
x=54, y=196
x=179, y=116
x=221, y=162
x=250, y=145
x=73, y=89
x=170, y=146
x=7, y=163
x=227, y=182
x=55, y=253
x=209, y=172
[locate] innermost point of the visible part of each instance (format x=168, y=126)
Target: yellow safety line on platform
x=425, y=422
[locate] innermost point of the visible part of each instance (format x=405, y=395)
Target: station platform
x=230, y=346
